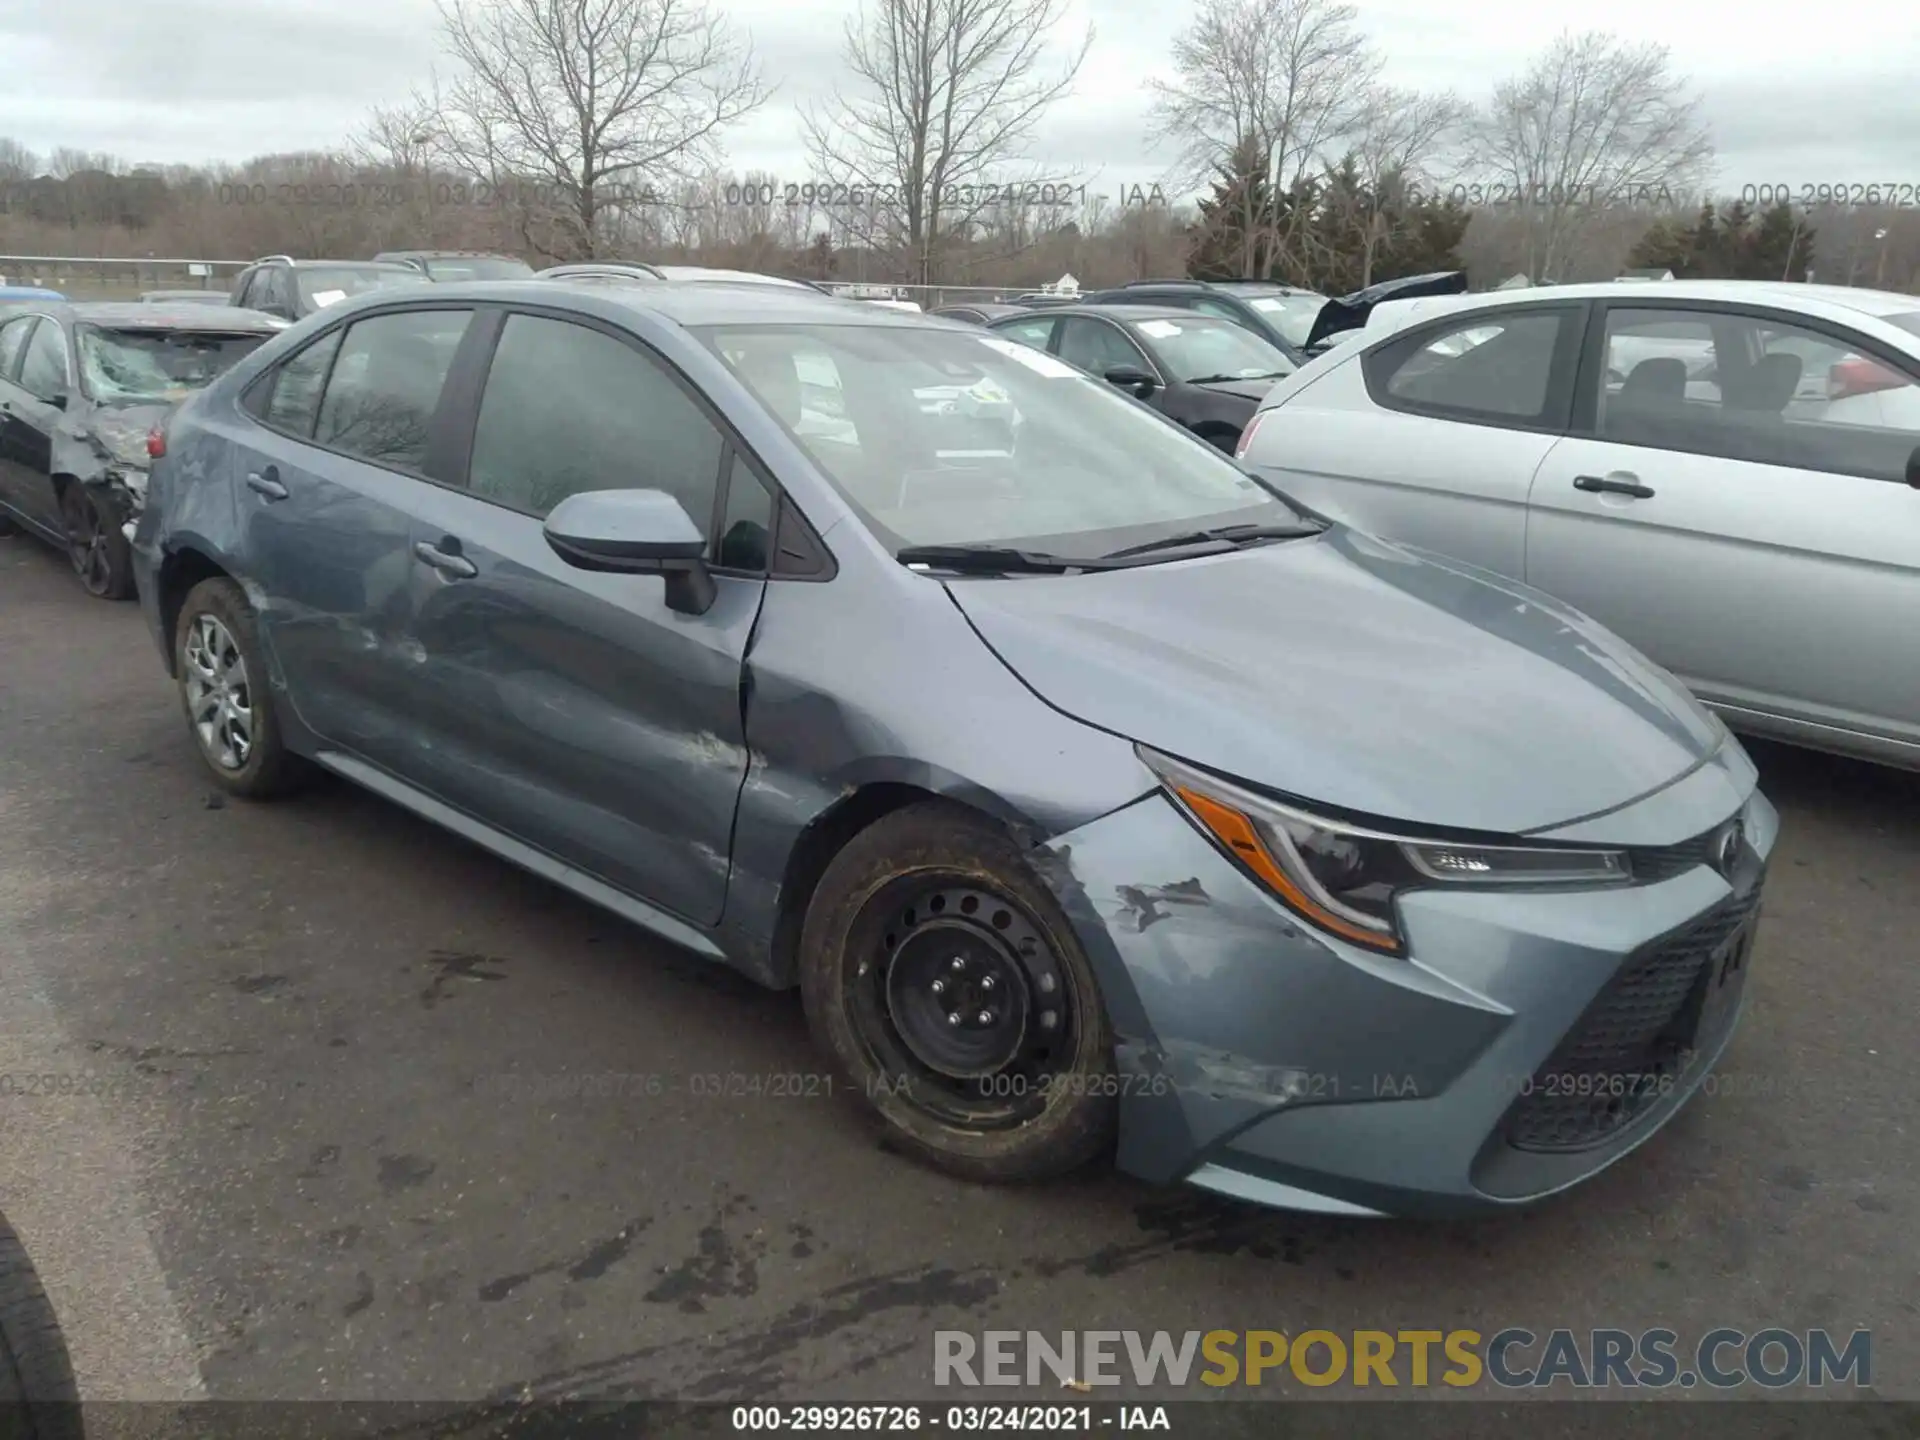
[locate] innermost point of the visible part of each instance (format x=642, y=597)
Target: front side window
x=1036, y=333
x=1097, y=347
x=964, y=438
x=156, y=367
x=1758, y=389
x=43, y=373
x=570, y=408
x=13, y=339
x=1489, y=367
x=386, y=385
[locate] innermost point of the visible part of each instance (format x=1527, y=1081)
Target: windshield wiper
x=994, y=560
x=1217, y=379
x=1229, y=535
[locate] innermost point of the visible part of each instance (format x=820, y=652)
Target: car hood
x=1254, y=390
x=1359, y=675
x=1349, y=312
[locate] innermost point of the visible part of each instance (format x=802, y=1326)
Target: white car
x=1727, y=473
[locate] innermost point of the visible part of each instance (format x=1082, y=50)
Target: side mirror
x=1132, y=377
x=635, y=532
x=1913, y=468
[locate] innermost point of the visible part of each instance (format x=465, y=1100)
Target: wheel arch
x=180, y=571
x=862, y=804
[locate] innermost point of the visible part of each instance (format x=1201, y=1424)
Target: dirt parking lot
x=296, y=1169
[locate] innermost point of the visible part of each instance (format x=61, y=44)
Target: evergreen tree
x=1232, y=237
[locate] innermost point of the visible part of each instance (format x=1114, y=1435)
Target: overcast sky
x=1792, y=99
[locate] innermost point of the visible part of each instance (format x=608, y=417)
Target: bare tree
x=1286, y=80
x=936, y=120
x=17, y=162
x=606, y=103
x=1594, y=123
x=1403, y=136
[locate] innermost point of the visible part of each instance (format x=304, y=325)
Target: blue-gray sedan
x=1096, y=797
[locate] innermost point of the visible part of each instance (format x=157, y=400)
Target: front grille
x=1663, y=862
x=1635, y=1042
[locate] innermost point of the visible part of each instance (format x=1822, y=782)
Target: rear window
x=477, y=267
x=321, y=286
x=151, y=367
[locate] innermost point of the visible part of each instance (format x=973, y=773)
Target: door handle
x=457, y=566
x=1601, y=485
x=267, y=482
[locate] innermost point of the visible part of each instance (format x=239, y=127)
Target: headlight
x=1345, y=878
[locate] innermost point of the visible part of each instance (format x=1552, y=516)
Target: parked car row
x=1098, y=795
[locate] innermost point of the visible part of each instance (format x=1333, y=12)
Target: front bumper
x=1264, y=1059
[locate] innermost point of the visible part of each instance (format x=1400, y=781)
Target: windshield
x=477, y=267
x=1291, y=315
x=1201, y=347
x=321, y=286
x=152, y=367
x=941, y=437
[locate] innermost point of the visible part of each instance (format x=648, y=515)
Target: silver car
x=1723, y=472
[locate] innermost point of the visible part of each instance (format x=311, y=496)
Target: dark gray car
x=1199, y=371
x=1096, y=798
x=81, y=389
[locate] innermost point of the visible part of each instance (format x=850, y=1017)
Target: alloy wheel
x=87, y=542
x=219, y=693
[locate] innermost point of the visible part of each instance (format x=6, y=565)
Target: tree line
x=573, y=129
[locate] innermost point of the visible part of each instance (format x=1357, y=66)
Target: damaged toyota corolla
x=84, y=389
x=1097, y=798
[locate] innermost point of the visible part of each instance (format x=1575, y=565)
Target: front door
x=573, y=709
x=31, y=417
x=1764, y=548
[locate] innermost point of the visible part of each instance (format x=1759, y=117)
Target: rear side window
x=1495, y=368
x=386, y=384
x=569, y=408
x=293, y=396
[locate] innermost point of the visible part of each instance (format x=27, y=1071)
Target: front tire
x=945, y=981
x=98, y=551
x=227, y=696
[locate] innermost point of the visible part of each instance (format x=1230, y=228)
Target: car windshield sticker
x=1159, y=329
x=328, y=297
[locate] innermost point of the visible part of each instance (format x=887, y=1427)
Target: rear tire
x=227, y=694
x=37, y=1389
x=947, y=984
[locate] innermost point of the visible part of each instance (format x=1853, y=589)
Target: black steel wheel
x=98, y=551
x=947, y=983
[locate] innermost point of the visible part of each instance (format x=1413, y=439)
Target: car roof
x=130, y=315
x=1778, y=292
x=703, y=272
x=1115, y=310
x=346, y=264
x=692, y=305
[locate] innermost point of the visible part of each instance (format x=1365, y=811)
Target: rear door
x=574, y=710
x=1759, y=543
x=327, y=485
x=1434, y=436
